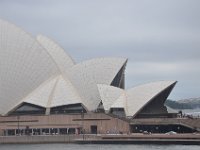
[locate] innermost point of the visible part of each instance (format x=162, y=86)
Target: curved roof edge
x=63, y=60
x=43, y=91
x=22, y=56
x=64, y=93
x=29, y=35
x=86, y=75
x=109, y=94
x=144, y=94
x=52, y=93
x=103, y=69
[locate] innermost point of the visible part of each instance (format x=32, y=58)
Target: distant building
x=43, y=90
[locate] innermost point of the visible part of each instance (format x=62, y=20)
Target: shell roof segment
x=54, y=92
x=64, y=94
x=24, y=65
x=137, y=97
x=101, y=70
x=86, y=75
x=109, y=94
x=62, y=59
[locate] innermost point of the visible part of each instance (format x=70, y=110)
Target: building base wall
x=93, y=123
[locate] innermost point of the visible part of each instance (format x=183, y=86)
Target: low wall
x=105, y=139
x=45, y=139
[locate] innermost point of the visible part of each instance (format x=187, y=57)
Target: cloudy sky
x=161, y=38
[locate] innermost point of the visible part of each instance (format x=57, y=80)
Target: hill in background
x=192, y=103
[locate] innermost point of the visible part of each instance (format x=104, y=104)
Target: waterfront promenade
x=188, y=139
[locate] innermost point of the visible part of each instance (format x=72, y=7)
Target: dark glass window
x=27, y=109
x=68, y=109
x=118, y=112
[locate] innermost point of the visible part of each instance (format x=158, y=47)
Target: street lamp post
x=82, y=118
x=18, y=124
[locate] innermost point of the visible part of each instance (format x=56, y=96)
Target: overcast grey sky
x=161, y=38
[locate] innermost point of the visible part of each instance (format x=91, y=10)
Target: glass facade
x=27, y=109
x=118, y=112
x=68, y=109
x=41, y=131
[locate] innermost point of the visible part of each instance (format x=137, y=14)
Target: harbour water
x=95, y=147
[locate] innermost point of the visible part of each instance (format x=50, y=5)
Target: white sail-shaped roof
x=39, y=96
x=138, y=97
x=101, y=70
x=109, y=94
x=39, y=72
x=86, y=75
x=24, y=65
x=52, y=93
x=121, y=102
x=27, y=64
x=64, y=94
x=62, y=59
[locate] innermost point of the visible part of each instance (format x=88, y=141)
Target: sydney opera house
x=44, y=91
